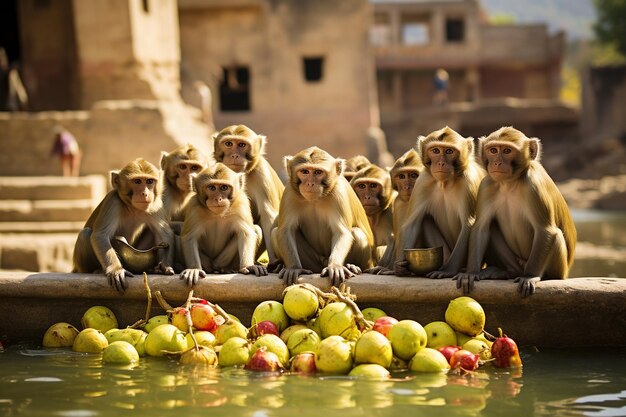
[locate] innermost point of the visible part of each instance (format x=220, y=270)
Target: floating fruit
x=505, y=353
x=90, y=341
x=262, y=360
x=234, y=352
x=440, y=334
x=165, y=338
x=201, y=356
x=466, y=315
x=334, y=355
x=99, y=318
x=120, y=352
x=407, y=338
x=429, y=360
x=303, y=363
x=373, y=347
x=60, y=335
x=273, y=344
x=370, y=371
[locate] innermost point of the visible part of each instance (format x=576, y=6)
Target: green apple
x=303, y=340
x=372, y=313
x=291, y=330
x=466, y=315
x=90, y=341
x=230, y=329
x=120, y=352
x=334, y=355
x=336, y=319
x=234, y=352
x=60, y=335
x=203, y=338
x=370, y=371
x=155, y=321
x=273, y=344
x=373, y=347
x=440, y=334
x=407, y=337
x=300, y=303
x=165, y=338
x=272, y=311
x=429, y=360
x=99, y=318
x=135, y=337
x=479, y=347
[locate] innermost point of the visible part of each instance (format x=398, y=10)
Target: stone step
x=41, y=227
x=37, y=252
x=45, y=210
x=92, y=187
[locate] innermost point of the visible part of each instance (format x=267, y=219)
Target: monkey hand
x=257, y=270
x=527, y=285
x=354, y=269
x=192, y=276
x=465, y=281
x=401, y=268
x=377, y=270
x=117, y=278
x=163, y=269
x=275, y=266
x=290, y=275
x=440, y=274
x=337, y=274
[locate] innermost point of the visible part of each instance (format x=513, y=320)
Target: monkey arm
x=458, y=257
x=246, y=245
x=191, y=256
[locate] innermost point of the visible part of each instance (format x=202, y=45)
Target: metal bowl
x=424, y=260
x=135, y=260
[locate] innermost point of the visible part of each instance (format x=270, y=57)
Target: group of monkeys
x=494, y=210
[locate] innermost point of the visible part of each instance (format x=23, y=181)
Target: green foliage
x=610, y=28
x=502, y=19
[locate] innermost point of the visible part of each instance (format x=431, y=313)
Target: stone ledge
x=574, y=312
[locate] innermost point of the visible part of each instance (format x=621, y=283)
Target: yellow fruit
x=165, y=338
x=300, y=303
x=90, y=341
x=370, y=371
x=466, y=315
x=429, y=360
x=333, y=355
x=120, y=352
x=479, y=347
x=407, y=337
x=155, y=321
x=60, y=335
x=203, y=338
x=99, y=318
x=201, y=356
x=373, y=347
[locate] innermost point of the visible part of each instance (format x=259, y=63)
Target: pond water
x=35, y=382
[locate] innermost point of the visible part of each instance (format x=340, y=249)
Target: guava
x=165, y=338
x=203, y=338
x=440, y=334
x=429, y=360
x=99, y=318
x=466, y=315
x=370, y=371
x=155, y=321
x=300, y=303
x=229, y=329
x=333, y=355
x=372, y=313
x=135, y=337
x=303, y=340
x=234, y=352
x=90, y=341
x=60, y=335
x=291, y=330
x=373, y=347
x=201, y=356
x=479, y=347
x=120, y=352
x=407, y=337
x=272, y=311
x=273, y=344
x=336, y=319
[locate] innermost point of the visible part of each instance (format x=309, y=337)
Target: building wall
x=603, y=110
x=271, y=38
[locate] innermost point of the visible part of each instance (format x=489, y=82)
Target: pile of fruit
x=309, y=332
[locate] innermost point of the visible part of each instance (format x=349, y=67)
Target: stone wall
x=604, y=95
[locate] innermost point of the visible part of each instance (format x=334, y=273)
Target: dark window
x=42, y=4
x=313, y=69
x=455, y=30
x=235, y=89
x=146, y=5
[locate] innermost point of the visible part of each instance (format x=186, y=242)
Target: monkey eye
x=493, y=150
x=223, y=187
x=195, y=167
x=318, y=172
x=449, y=151
x=211, y=187
x=435, y=150
x=242, y=144
x=414, y=175
x=137, y=181
x=361, y=185
x=373, y=185
x=507, y=150
x=228, y=144
x=304, y=171
x=150, y=181
x=182, y=166
x=401, y=176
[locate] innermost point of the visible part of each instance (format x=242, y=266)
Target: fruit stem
x=360, y=319
x=164, y=304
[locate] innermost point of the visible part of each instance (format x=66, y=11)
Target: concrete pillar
x=437, y=28
x=398, y=90
x=395, y=25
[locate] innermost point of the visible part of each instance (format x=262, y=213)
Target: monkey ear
x=115, y=179
x=241, y=180
x=534, y=149
x=481, y=144
x=262, y=142
x=470, y=147
x=287, y=162
x=419, y=146
x=213, y=140
x=340, y=165
x=163, y=156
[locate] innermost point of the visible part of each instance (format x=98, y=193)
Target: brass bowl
x=135, y=260
x=424, y=260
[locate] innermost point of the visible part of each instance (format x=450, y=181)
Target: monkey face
x=441, y=161
x=369, y=195
x=142, y=192
x=312, y=181
x=186, y=171
x=500, y=160
x=235, y=153
x=404, y=181
x=218, y=197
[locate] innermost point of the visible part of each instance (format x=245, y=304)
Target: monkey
x=321, y=225
x=242, y=150
x=403, y=174
x=443, y=203
x=134, y=204
x=524, y=230
x=354, y=164
x=218, y=233
x=373, y=187
x=179, y=168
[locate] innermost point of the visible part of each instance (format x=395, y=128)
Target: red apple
x=203, y=317
x=266, y=327
x=465, y=360
x=448, y=351
x=304, y=363
x=179, y=319
x=384, y=324
x=264, y=361
x=505, y=353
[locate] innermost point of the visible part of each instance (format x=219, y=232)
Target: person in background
x=13, y=95
x=440, y=82
x=66, y=148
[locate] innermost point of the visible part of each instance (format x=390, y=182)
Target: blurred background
x=132, y=78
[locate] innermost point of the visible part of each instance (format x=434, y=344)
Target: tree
x=610, y=28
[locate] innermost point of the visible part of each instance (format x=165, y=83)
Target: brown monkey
x=322, y=227
x=523, y=230
x=133, y=205
x=179, y=168
x=242, y=150
x=443, y=203
x=403, y=173
x=373, y=187
x=218, y=232
x=354, y=164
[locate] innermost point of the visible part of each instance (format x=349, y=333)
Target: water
x=35, y=382
x=601, y=247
